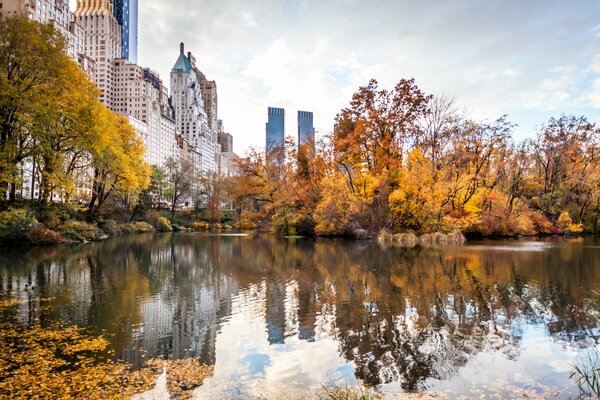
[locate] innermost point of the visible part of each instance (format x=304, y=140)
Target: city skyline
x=545, y=66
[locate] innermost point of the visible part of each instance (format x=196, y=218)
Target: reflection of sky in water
x=280, y=317
x=247, y=362
x=539, y=367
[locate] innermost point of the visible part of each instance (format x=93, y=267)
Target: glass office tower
x=306, y=130
x=126, y=12
x=275, y=128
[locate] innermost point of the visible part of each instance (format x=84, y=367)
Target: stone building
x=102, y=42
x=226, y=156
x=190, y=113
x=140, y=93
x=51, y=12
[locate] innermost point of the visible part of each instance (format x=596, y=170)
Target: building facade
x=227, y=156
x=275, y=128
x=209, y=96
x=102, y=40
x=126, y=12
x=51, y=12
x=139, y=93
x=306, y=129
x=190, y=112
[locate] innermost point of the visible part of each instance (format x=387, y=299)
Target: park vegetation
x=398, y=161
x=87, y=162
x=404, y=161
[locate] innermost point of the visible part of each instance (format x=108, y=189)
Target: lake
x=486, y=318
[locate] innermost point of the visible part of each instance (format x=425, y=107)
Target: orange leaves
x=372, y=133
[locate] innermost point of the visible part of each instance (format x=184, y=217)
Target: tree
x=63, y=131
x=337, y=206
x=32, y=65
x=374, y=132
x=117, y=159
x=179, y=175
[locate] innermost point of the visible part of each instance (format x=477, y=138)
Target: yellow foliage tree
x=337, y=207
x=117, y=159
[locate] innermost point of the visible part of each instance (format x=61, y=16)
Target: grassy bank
x=64, y=224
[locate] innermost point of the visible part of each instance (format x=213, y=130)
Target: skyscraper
x=190, y=113
x=306, y=130
x=126, y=12
x=275, y=128
x=102, y=42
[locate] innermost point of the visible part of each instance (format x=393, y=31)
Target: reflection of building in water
x=307, y=312
x=182, y=319
x=404, y=317
x=276, y=311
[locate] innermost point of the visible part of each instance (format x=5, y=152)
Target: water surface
x=503, y=317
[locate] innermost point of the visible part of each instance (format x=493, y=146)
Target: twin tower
x=276, y=128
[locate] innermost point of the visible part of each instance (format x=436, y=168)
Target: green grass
x=586, y=374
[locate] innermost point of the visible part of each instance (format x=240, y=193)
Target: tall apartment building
x=209, y=95
x=306, y=129
x=51, y=12
x=126, y=12
x=190, y=113
x=226, y=156
x=140, y=93
x=275, y=128
x=102, y=41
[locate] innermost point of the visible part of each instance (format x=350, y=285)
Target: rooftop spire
x=181, y=48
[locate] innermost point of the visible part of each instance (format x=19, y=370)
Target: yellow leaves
x=59, y=362
x=87, y=344
x=336, y=207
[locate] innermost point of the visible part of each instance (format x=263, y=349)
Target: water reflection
x=403, y=319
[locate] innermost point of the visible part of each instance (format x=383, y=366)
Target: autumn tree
x=117, y=159
x=379, y=125
x=179, y=174
x=33, y=64
x=63, y=133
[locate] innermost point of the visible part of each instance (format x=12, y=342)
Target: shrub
x=456, y=237
x=72, y=235
x=110, y=227
x=53, y=215
x=40, y=235
x=199, y=226
x=438, y=238
x=217, y=226
x=245, y=224
x=385, y=238
x=406, y=240
x=162, y=224
x=16, y=224
x=82, y=230
x=138, y=227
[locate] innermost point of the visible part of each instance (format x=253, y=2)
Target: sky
x=531, y=60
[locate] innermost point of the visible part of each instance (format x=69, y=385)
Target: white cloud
x=312, y=55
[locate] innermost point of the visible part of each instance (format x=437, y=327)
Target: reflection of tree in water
x=401, y=315
x=437, y=308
